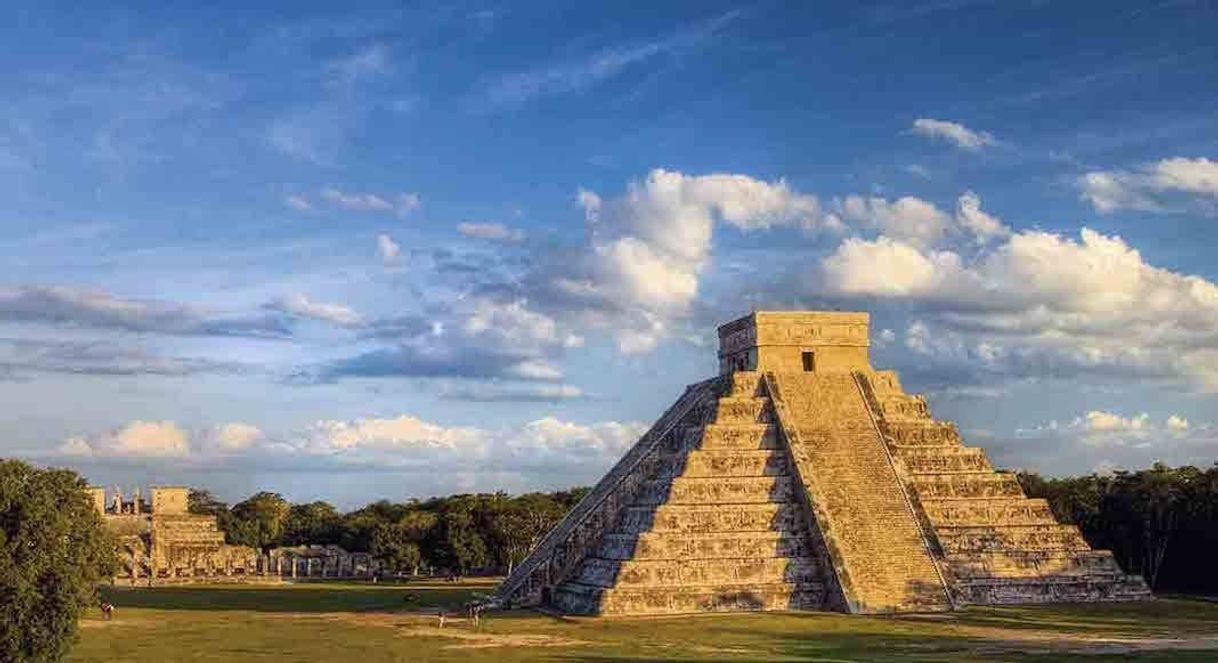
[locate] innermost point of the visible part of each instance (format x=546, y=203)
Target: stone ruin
x=161, y=542
x=320, y=561
x=802, y=478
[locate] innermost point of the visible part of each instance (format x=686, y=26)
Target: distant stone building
x=160, y=541
x=802, y=478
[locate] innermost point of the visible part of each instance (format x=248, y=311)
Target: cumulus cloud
x=496, y=232
x=402, y=443
x=1040, y=300
x=77, y=307
x=953, y=132
x=1154, y=187
x=299, y=305
x=649, y=247
x=920, y=222
x=136, y=439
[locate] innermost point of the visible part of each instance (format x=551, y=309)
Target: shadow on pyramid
x=802, y=479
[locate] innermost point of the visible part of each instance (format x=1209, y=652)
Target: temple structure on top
x=802, y=478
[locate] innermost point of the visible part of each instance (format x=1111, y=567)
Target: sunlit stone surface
x=802, y=478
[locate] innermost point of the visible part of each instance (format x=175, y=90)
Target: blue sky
x=401, y=250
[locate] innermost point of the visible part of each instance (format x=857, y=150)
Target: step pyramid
x=801, y=478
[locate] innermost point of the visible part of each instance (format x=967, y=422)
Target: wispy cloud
x=496, y=232
x=400, y=204
x=953, y=132
x=300, y=306
x=518, y=88
x=75, y=307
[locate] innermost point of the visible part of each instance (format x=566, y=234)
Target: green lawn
x=366, y=623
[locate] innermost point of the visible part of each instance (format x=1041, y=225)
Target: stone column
x=294, y=564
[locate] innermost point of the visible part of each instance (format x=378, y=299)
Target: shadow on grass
x=319, y=597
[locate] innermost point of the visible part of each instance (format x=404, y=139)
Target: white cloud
x=971, y=217
x=908, y=218
x=919, y=221
x=388, y=250
x=301, y=306
x=1099, y=421
x=298, y=203
x=1103, y=441
x=136, y=439
x=533, y=449
x=234, y=436
x=887, y=268
x=1043, y=299
x=490, y=231
x=953, y=132
x=400, y=203
x=1154, y=187
x=649, y=246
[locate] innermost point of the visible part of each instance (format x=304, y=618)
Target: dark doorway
x=809, y=362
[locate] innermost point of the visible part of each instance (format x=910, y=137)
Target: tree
x=518, y=525
x=315, y=522
x=259, y=520
x=456, y=542
x=54, y=550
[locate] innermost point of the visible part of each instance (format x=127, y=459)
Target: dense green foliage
x=1161, y=522
x=457, y=534
x=54, y=550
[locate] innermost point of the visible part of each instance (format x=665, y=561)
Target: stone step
x=924, y=434
x=966, y=485
x=714, y=545
x=715, y=490
x=1033, y=563
x=577, y=598
x=746, y=383
x=743, y=410
x=737, y=436
x=711, y=518
x=941, y=460
x=969, y=539
x=724, y=463
x=691, y=572
x=1052, y=590
x=897, y=407
x=988, y=511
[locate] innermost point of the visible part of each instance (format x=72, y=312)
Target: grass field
x=371, y=623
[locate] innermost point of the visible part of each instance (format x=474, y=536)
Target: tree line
x=1160, y=522
x=469, y=533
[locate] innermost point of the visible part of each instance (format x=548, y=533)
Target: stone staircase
x=716, y=527
x=884, y=563
x=997, y=545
